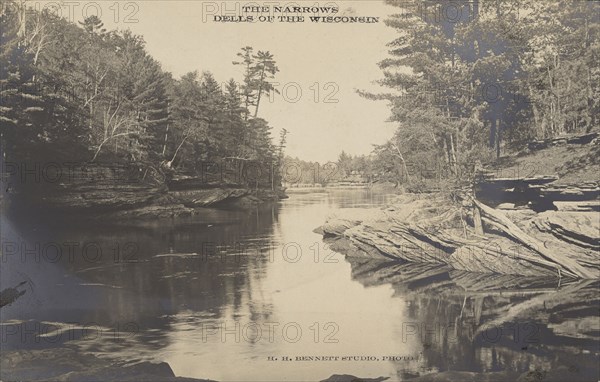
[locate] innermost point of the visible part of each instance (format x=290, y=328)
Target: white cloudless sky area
x=336, y=59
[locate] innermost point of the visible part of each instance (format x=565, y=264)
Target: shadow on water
x=492, y=327
x=115, y=281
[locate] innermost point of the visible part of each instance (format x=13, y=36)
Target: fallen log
x=565, y=265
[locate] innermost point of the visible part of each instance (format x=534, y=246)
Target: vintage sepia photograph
x=323, y=191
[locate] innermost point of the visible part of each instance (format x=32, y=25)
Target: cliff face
x=108, y=190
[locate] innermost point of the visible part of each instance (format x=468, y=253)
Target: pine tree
x=265, y=70
x=249, y=84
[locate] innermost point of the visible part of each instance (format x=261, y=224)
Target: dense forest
x=80, y=93
x=468, y=80
x=472, y=80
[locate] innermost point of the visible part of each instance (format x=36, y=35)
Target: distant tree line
x=346, y=168
x=82, y=93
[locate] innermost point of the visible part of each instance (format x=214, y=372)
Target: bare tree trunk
x=493, y=128
x=539, y=128
x=559, y=113
x=248, y=93
x=403, y=162
x=260, y=89
x=453, y=155
x=272, y=178
x=104, y=142
x=90, y=122
x=498, y=137
x=170, y=163
x=39, y=48
x=164, y=150
x=22, y=20
x=590, y=93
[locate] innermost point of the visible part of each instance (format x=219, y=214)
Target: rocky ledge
x=107, y=192
x=471, y=236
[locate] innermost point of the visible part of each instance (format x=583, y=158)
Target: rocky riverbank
x=108, y=191
x=519, y=225
x=433, y=229
x=188, y=203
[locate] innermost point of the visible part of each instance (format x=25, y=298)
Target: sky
x=336, y=59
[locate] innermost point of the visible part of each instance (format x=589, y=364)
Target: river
x=228, y=295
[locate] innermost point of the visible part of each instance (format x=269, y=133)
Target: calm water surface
x=216, y=295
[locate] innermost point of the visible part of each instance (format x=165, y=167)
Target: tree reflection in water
x=492, y=327
x=148, y=278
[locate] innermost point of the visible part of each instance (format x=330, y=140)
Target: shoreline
x=533, y=223
x=137, y=201
x=433, y=229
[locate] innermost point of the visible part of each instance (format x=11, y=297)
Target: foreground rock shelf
x=471, y=236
